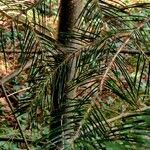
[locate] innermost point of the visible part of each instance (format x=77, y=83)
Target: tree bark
x=69, y=12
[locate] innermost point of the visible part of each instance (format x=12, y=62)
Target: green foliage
x=112, y=78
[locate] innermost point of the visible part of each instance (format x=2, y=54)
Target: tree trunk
x=69, y=12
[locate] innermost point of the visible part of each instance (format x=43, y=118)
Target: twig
x=2, y=82
x=19, y=51
x=17, y=72
x=133, y=52
x=18, y=122
x=19, y=91
x=123, y=115
x=19, y=140
x=130, y=52
x=112, y=62
x=14, y=139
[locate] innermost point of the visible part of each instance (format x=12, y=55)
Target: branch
x=17, y=71
x=2, y=82
x=19, y=91
x=14, y=139
x=18, y=140
x=19, y=51
x=131, y=52
x=12, y=110
x=123, y=115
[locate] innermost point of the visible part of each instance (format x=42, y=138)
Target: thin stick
x=17, y=71
x=18, y=140
x=130, y=52
x=123, y=115
x=13, y=139
x=19, y=91
x=18, y=122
